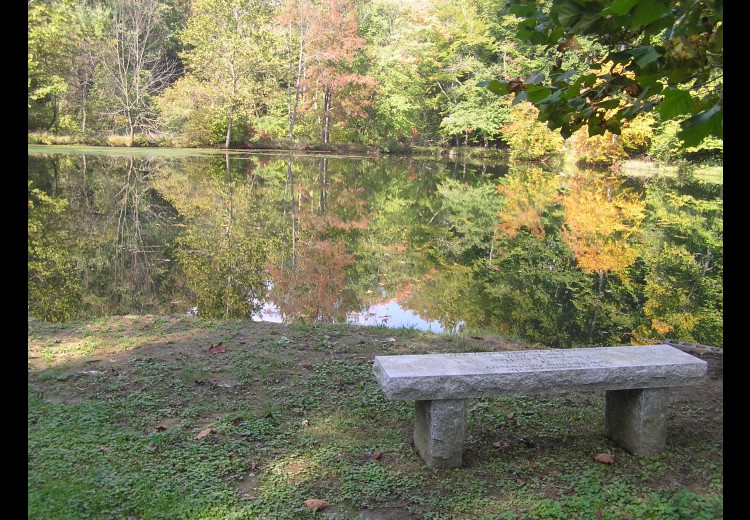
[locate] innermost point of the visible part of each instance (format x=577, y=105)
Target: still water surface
x=562, y=257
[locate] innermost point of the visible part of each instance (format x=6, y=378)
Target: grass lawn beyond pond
x=181, y=417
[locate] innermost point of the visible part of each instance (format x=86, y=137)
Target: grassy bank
x=179, y=417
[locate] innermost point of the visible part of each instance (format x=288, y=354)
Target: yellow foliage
x=661, y=327
x=600, y=219
x=527, y=194
x=602, y=149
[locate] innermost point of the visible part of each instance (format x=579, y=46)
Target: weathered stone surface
x=529, y=372
x=637, y=419
x=439, y=432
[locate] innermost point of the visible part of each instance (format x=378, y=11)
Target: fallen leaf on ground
x=203, y=433
x=377, y=455
x=501, y=445
x=316, y=503
x=605, y=458
x=217, y=349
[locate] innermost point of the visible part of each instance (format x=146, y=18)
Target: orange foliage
x=312, y=287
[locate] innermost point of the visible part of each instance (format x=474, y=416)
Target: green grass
x=636, y=168
x=293, y=413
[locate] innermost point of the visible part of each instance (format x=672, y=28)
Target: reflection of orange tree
x=312, y=285
x=312, y=289
x=601, y=223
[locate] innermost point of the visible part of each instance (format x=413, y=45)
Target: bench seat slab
x=532, y=372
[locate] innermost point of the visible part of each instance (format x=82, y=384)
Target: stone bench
x=635, y=378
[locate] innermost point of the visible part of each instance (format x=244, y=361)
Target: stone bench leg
x=439, y=431
x=637, y=419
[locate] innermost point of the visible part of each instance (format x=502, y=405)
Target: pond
x=555, y=255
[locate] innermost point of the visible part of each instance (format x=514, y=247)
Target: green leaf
x=676, y=102
x=619, y=57
x=648, y=79
x=568, y=12
x=614, y=126
x=537, y=38
x=620, y=7
x=536, y=94
x=586, y=21
x=709, y=122
x=565, y=76
x=534, y=79
x=495, y=86
x=521, y=96
x=648, y=11
x=644, y=55
x=586, y=79
x=522, y=10
x=609, y=104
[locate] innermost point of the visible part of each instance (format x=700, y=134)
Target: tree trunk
x=598, y=307
x=290, y=183
x=229, y=132
x=326, y=114
x=293, y=108
x=55, y=110
x=323, y=175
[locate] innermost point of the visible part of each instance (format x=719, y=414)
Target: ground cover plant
x=181, y=417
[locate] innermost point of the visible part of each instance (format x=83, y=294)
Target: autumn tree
x=323, y=42
x=526, y=195
x=311, y=284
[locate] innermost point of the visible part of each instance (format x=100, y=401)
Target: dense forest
x=385, y=74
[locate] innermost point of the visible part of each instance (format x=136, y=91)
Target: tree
x=659, y=55
x=398, y=58
x=326, y=46
x=51, y=37
x=134, y=64
x=465, y=52
x=229, y=49
x=53, y=287
x=527, y=193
